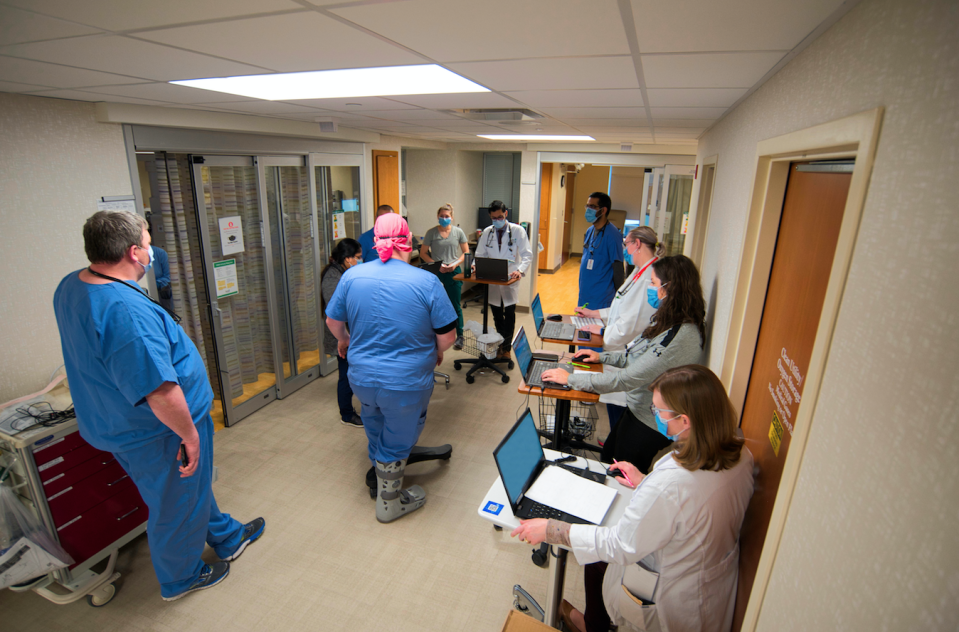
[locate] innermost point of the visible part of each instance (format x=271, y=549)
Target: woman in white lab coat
x=505, y=240
x=673, y=558
x=630, y=314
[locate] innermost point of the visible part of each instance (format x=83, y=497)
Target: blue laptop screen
x=523, y=352
x=518, y=457
x=537, y=313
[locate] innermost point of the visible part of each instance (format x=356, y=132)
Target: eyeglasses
x=594, y=207
x=656, y=411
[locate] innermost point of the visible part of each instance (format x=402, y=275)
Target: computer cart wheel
x=102, y=596
x=510, y=365
x=540, y=557
x=470, y=379
x=505, y=379
x=457, y=366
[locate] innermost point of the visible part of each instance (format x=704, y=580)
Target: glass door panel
x=678, y=189
x=237, y=252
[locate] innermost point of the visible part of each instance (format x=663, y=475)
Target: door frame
x=699, y=210
x=856, y=137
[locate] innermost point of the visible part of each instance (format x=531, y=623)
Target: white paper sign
x=339, y=225
x=224, y=272
x=231, y=235
x=121, y=205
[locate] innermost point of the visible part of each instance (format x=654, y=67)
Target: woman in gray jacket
x=346, y=254
x=675, y=337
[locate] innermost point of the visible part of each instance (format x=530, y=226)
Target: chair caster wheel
x=510, y=365
x=541, y=557
x=102, y=596
x=470, y=379
x=457, y=366
x=505, y=379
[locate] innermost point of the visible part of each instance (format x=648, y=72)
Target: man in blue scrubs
x=601, y=268
x=400, y=323
x=140, y=391
x=366, y=239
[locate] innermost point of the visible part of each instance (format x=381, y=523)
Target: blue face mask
x=591, y=216
x=147, y=267
x=652, y=297
x=664, y=429
x=499, y=223
x=446, y=221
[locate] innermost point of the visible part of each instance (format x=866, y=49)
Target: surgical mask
x=147, y=267
x=499, y=223
x=663, y=428
x=446, y=221
x=652, y=297
x=591, y=215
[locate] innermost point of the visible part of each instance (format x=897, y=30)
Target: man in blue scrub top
x=140, y=391
x=400, y=323
x=601, y=269
x=366, y=239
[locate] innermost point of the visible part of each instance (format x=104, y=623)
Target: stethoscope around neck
x=509, y=243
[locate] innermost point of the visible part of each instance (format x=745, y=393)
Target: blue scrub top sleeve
x=336, y=308
x=136, y=351
x=615, y=246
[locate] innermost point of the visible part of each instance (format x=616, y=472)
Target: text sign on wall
x=224, y=273
x=231, y=235
x=786, y=394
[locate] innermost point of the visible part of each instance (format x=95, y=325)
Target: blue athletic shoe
x=251, y=533
x=210, y=576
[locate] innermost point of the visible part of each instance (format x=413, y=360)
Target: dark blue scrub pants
x=393, y=420
x=183, y=512
x=344, y=394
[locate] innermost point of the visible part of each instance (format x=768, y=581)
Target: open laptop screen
x=537, y=313
x=523, y=353
x=518, y=456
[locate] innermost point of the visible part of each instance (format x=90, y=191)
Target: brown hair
x=684, y=301
x=445, y=207
x=711, y=442
x=646, y=235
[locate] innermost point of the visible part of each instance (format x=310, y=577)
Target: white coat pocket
x=639, y=615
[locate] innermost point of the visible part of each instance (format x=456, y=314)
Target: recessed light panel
x=347, y=83
x=532, y=137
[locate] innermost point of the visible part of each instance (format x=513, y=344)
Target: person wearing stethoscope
x=630, y=314
x=505, y=240
x=601, y=268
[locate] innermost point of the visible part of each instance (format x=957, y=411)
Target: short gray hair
x=108, y=234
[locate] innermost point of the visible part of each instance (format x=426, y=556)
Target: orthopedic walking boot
x=392, y=501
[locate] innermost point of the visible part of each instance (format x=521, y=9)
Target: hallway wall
x=868, y=541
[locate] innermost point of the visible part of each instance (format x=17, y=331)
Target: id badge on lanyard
x=589, y=264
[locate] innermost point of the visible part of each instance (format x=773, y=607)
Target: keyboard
x=535, y=375
x=557, y=331
x=580, y=323
x=539, y=510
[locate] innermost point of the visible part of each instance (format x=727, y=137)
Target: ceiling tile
x=687, y=113
x=678, y=132
x=496, y=29
x=694, y=97
x=547, y=74
x=467, y=100
x=410, y=115
x=578, y=113
x=365, y=103
x=730, y=25
x=122, y=55
x=721, y=70
x=170, y=93
x=600, y=122
x=18, y=26
x=700, y=123
x=56, y=76
x=287, y=43
x=119, y=15
x=82, y=95
x=579, y=98
x=265, y=107
x=11, y=86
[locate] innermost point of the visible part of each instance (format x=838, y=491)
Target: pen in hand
x=621, y=471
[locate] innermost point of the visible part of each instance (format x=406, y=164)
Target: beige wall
x=626, y=190
x=56, y=163
x=589, y=180
x=557, y=209
x=434, y=178
x=869, y=542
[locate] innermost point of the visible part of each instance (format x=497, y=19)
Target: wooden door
x=386, y=179
x=545, y=206
x=805, y=246
x=568, y=214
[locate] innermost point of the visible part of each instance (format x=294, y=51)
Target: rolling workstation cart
x=83, y=498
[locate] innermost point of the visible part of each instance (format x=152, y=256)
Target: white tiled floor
x=324, y=562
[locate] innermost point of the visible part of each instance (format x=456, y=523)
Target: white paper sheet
x=617, y=399
x=563, y=490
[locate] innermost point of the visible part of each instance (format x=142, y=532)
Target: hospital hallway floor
x=324, y=562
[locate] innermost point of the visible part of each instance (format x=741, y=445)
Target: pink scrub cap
x=391, y=231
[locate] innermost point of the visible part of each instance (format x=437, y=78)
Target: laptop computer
x=520, y=460
x=549, y=329
x=433, y=267
x=533, y=369
x=492, y=269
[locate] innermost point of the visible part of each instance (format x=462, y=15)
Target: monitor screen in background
x=537, y=313
x=629, y=225
x=519, y=456
x=483, y=220
x=522, y=350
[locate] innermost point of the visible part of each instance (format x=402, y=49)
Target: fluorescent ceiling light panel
x=532, y=137
x=338, y=84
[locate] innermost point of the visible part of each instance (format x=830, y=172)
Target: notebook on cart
x=549, y=329
x=492, y=269
x=521, y=461
x=531, y=369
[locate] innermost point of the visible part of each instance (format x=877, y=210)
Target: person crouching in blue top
x=400, y=322
x=140, y=391
x=366, y=239
x=601, y=268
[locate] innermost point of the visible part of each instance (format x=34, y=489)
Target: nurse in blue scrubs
x=140, y=391
x=601, y=268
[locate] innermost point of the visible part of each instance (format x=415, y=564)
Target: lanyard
x=138, y=290
x=621, y=293
x=597, y=234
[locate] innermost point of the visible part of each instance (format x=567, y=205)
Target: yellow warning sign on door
x=776, y=433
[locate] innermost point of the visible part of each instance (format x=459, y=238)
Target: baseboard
x=553, y=271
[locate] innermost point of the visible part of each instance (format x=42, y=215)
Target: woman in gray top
x=675, y=337
x=447, y=244
x=346, y=254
